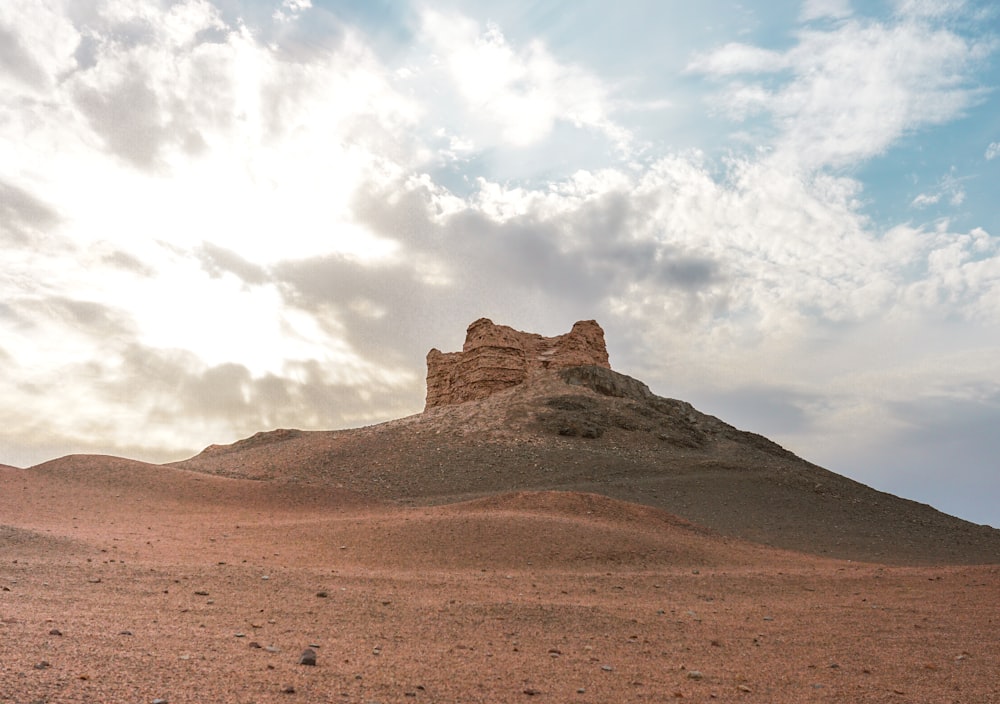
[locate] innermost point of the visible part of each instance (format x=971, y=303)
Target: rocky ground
x=123, y=583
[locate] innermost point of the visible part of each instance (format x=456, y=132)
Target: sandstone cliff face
x=496, y=357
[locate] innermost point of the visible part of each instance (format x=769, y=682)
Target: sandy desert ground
x=122, y=582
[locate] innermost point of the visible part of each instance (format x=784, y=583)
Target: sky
x=224, y=216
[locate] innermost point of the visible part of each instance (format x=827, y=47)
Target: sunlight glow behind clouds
x=524, y=93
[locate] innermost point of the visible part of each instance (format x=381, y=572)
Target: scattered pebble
x=607, y=668
x=694, y=675
x=55, y=632
x=201, y=592
x=743, y=688
x=531, y=691
x=43, y=665
x=289, y=689
x=322, y=595
x=308, y=657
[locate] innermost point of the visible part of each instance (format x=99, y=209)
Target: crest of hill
x=497, y=357
x=552, y=529
x=90, y=475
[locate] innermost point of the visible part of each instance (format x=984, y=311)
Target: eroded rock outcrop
x=496, y=357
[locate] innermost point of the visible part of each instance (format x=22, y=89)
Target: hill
x=546, y=528
x=590, y=429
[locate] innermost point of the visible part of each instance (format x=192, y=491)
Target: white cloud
x=36, y=46
x=240, y=147
x=822, y=9
x=291, y=9
x=522, y=91
x=846, y=94
x=755, y=268
x=950, y=187
x=736, y=58
x=925, y=199
x=992, y=151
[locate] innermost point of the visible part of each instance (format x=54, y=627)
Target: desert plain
x=127, y=583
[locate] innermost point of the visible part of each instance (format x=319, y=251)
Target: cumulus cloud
x=846, y=94
x=522, y=91
x=291, y=9
x=992, y=151
x=925, y=199
x=950, y=189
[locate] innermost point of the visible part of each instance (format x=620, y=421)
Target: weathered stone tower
x=496, y=357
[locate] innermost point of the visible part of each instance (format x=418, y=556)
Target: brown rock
x=496, y=357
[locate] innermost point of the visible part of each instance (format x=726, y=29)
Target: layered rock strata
x=496, y=357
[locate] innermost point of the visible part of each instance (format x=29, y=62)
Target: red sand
x=135, y=583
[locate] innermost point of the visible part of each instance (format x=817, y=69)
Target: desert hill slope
x=590, y=429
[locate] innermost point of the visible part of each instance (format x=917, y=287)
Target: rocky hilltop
x=497, y=357
x=516, y=412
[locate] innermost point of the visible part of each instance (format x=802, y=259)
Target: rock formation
x=496, y=357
